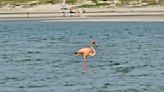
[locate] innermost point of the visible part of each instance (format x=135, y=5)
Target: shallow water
x=39, y=57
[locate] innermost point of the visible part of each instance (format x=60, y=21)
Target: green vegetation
x=161, y=2
x=15, y=1
x=122, y=3
x=3, y=2
x=95, y=3
x=71, y=1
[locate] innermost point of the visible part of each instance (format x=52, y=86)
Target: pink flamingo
x=87, y=51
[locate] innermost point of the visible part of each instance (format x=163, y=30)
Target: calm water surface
x=39, y=57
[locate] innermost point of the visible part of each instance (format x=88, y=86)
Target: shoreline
x=91, y=19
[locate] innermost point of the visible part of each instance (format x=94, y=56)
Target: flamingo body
x=87, y=51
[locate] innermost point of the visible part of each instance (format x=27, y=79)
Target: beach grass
x=15, y=1
x=3, y=2
x=94, y=5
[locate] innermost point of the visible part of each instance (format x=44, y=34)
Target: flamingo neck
x=94, y=51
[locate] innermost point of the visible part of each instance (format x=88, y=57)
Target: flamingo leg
x=85, y=58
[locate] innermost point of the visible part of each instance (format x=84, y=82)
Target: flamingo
x=87, y=51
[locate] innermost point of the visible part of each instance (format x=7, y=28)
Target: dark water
x=39, y=57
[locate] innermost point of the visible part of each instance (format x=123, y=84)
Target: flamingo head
x=94, y=44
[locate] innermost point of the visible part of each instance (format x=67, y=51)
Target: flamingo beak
x=95, y=45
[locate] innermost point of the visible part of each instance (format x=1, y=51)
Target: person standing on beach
x=28, y=14
x=78, y=13
x=63, y=14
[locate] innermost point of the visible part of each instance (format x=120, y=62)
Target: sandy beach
x=53, y=13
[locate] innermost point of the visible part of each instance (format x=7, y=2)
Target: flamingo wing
x=84, y=51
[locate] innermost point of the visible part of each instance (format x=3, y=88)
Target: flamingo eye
x=94, y=42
